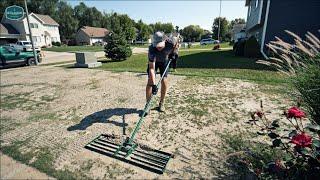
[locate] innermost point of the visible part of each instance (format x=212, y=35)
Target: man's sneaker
x=161, y=107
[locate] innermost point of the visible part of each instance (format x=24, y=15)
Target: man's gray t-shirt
x=160, y=56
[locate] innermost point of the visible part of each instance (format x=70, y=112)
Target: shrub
x=301, y=63
x=56, y=43
x=238, y=47
x=251, y=48
x=117, y=48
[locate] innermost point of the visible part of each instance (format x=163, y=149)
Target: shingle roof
x=7, y=29
x=94, y=31
x=46, y=19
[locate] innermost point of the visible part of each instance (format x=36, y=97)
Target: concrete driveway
x=56, y=57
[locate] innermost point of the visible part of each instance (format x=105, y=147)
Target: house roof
x=94, y=31
x=7, y=29
x=46, y=19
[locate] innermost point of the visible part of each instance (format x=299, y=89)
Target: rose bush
x=298, y=140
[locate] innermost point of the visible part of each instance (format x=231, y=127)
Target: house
x=45, y=30
x=269, y=18
x=89, y=35
x=237, y=32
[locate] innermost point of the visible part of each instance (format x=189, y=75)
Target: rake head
x=133, y=153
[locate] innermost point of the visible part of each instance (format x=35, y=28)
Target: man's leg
x=164, y=87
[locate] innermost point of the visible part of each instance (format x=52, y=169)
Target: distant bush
x=56, y=43
x=117, y=48
x=71, y=42
x=252, y=48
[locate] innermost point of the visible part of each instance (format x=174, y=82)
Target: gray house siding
x=293, y=15
x=255, y=21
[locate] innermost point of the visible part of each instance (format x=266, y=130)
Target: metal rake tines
x=146, y=158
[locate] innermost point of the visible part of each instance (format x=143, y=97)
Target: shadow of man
x=103, y=117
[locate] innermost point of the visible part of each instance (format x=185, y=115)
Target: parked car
x=24, y=46
x=10, y=55
x=208, y=41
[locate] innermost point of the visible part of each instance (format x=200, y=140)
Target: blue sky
x=181, y=13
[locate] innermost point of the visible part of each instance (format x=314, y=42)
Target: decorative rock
x=86, y=60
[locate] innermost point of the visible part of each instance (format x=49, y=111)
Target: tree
x=192, y=33
x=117, y=47
x=164, y=27
x=144, y=31
x=177, y=29
x=68, y=23
x=237, y=21
x=224, y=28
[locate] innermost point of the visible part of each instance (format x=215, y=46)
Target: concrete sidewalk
x=12, y=169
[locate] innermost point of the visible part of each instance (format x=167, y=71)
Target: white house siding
x=96, y=39
x=37, y=33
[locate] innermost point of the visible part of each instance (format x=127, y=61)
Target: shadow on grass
x=103, y=117
x=219, y=60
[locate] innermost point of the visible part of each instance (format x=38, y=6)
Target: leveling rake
x=130, y=151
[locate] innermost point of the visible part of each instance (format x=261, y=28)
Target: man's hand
x=154, y=90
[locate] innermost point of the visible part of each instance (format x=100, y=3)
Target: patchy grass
x=38, y=116
x=7, y=124
x=241, y=150
x=205, y=64
x=93, y=84
x=44, y=160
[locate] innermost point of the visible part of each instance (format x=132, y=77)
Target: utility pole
x=219, y=23
x=30, y=33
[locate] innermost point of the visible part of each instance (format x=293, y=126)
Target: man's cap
x=158, y=39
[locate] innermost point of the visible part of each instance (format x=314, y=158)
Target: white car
x=208, y=41
x=24, y=46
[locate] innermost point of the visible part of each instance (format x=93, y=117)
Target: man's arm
x=152, y=73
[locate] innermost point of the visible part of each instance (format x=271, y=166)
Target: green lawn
x=206, y=64
x=210, y=46
x=75, y=48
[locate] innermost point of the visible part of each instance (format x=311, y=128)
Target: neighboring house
x=45, y=30
x=269, y=18
x=238, y=31
x=89, y=35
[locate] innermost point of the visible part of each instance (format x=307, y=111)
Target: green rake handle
x=138, y=124
x=147, y=107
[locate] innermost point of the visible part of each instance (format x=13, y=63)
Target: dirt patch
x=63, y=109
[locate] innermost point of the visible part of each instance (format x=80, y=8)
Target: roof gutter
x=264, y=30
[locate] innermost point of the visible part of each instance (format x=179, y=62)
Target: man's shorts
x=161, y=66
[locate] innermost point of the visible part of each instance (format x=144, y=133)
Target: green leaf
x=292, y=133
x=276, y=142
x=273, y=135
x=275, y=123
x=304, y=151
x=316, y=143
x=313, y=127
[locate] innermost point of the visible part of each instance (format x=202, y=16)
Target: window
x=256, y=3
x=36, y=38
x=54, y=39
x=34, y=25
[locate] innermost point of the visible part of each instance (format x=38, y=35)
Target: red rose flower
x=295, y=112
x=259, y=114
x=302, y=140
